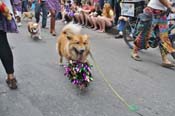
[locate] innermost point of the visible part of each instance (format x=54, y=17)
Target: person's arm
x=166, y=3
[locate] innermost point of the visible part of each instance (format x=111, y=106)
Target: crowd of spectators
x=99, y=15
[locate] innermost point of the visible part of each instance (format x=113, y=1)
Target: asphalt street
x=45, y=91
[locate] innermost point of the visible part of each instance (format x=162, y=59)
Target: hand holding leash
x=172, y=8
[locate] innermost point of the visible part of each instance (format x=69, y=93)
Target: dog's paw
x=39, y=37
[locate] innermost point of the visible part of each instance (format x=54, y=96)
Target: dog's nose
x=81, y=51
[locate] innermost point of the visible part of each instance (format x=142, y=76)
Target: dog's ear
x=86, y=36
x=69, y=37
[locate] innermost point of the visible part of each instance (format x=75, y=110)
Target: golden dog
x=28, y=15
x=34, y=30
x=72, y=45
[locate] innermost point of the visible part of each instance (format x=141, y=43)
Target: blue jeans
x=24, y=6
x=101, y=2
x=117, y=12
x=121, y=25
x=38, y=8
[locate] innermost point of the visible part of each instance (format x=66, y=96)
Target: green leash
x=132, y=107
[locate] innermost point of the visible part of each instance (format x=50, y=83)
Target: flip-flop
x=100, y=31
x=12, y=83
x=53, y=34
x=137, y=58
x=168, y=65
x=94, y=29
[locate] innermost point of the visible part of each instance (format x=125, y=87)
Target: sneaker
x=118, y=36
x=65, y=22
x=39, y=37
x=45, y=27
x=19, y=24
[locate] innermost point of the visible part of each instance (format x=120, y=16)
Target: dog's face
x=34, y=28
x=78, y=47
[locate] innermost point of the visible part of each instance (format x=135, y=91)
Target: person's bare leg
x=99, y=22
x=135, y=51
x=94, y=21
x=79, y=20
x=91, y=22
x=82, y=19
x=108, y=23
x=86, y=19
x=102, y=25
x=77, y=17
x=63, y=15
x=165, y=61
x=52, y=25
x=10, y=76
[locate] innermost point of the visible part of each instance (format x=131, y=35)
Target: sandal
x=136, y=57
x=94, y=29
x=168, y=65
x=53, y=34
x=101, y=31
x=12, y=83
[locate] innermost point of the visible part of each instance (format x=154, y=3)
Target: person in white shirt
x=156, y=7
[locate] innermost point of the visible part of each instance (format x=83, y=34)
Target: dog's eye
x=77, y=42
x=85, y=43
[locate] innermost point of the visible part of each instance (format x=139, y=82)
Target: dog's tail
x=71, y=29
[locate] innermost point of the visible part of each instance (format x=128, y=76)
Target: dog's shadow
x=36, y=39
x=81, y=92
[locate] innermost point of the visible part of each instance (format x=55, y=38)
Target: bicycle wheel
x=128, y=35
x=173, y=44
